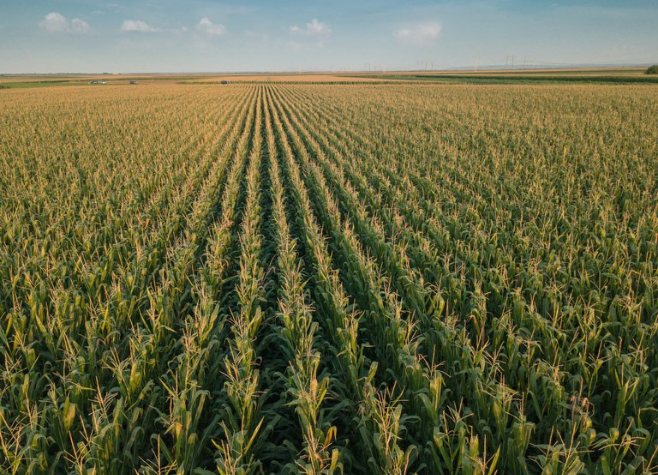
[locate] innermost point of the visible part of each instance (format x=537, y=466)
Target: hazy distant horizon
x=483, y=68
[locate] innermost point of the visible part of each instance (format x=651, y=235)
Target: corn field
x=329, y=279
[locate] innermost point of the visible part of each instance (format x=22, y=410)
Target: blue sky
x=40, y=36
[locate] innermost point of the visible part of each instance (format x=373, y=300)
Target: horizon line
x=492, y=67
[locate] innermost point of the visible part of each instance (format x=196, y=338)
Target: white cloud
x=79, y=26
x=421, y=33
x=54, y=23
x=315, y=28
x=57, y=23
x=209, y=28
x=137, y=25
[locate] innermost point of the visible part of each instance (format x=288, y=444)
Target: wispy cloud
x=255, y=35
x=137, y=25
x=209, y=28
x=57, y=23
x=314, y=28
x=312, y=34
x=420, y=34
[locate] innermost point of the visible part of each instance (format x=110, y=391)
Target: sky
x=94, y=36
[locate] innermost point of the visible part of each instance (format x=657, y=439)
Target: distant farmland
x=391, y=278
